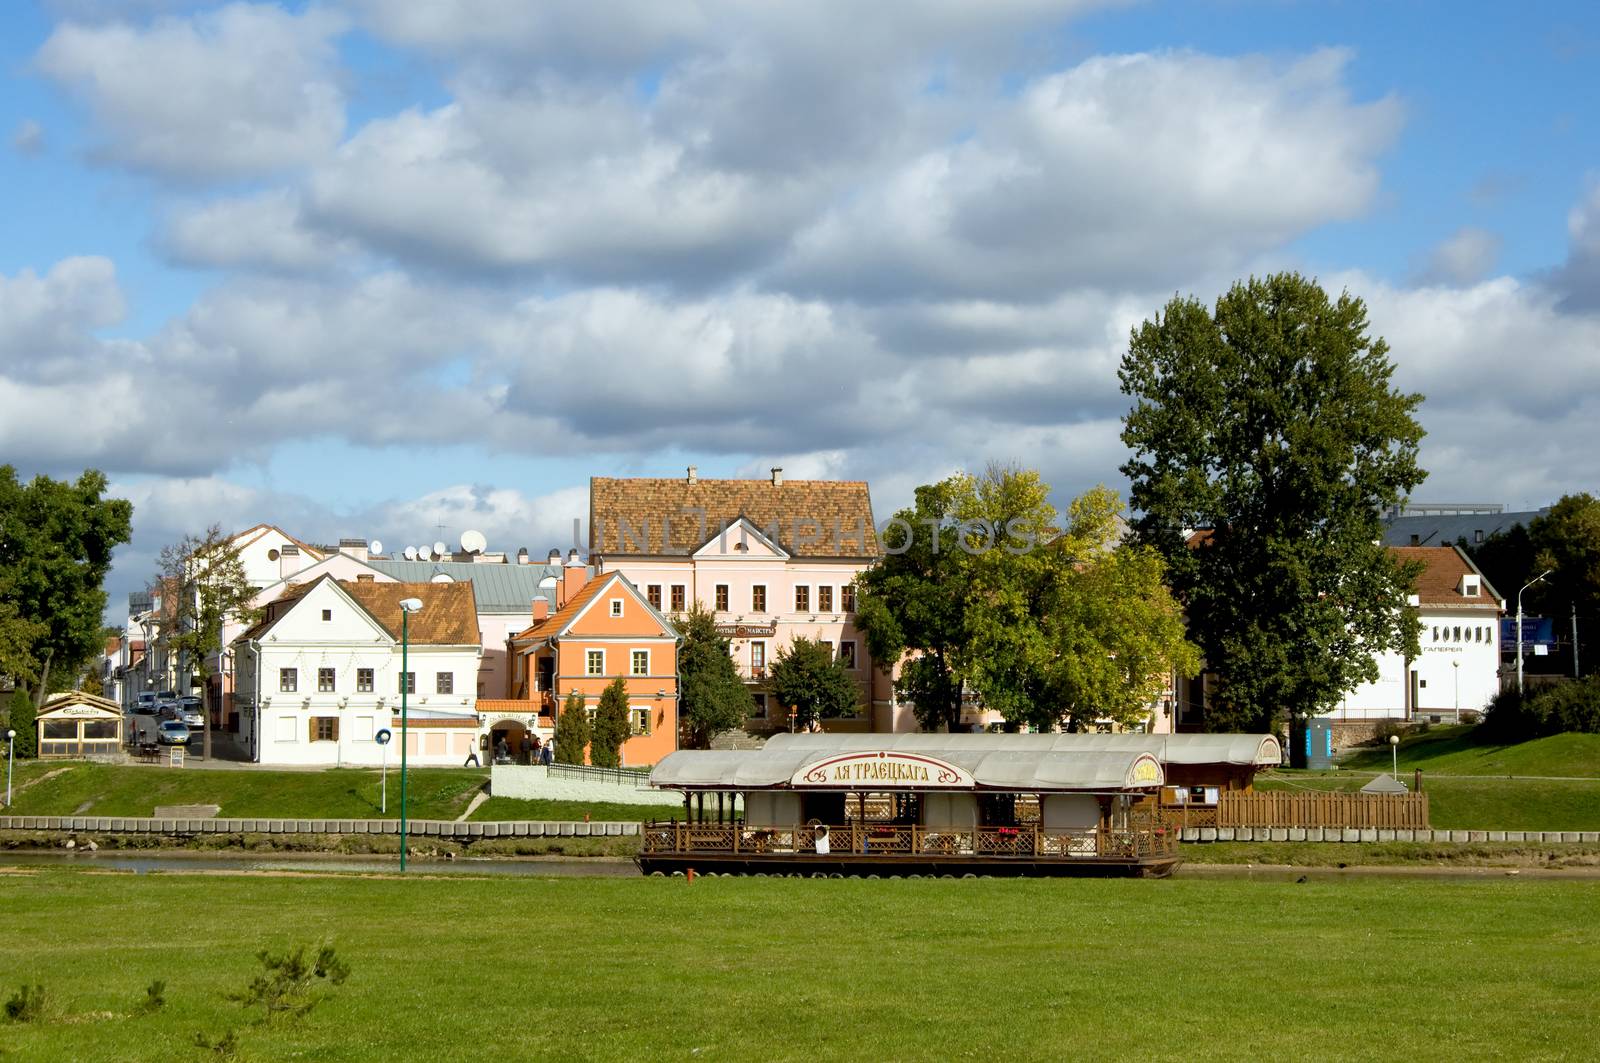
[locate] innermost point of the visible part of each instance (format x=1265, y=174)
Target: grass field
x=345, y=793
x=1457, y=751
x=740, y=969
x=510, y=808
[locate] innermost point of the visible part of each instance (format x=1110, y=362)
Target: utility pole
x=1525, y=586
x=1575, y=673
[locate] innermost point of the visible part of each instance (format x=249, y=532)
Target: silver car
x=173, y=733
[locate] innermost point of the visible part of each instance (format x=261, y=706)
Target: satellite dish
x=410, y=553
x=473, y=542
x=438, y=549
x=375, y=547
x=442, y=577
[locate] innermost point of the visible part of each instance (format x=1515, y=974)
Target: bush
x=1570, y=706
x=28, y=1004
x=21, y=720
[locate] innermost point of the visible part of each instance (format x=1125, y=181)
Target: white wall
x=1459, y=668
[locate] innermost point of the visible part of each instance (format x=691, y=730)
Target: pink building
x=772, y=559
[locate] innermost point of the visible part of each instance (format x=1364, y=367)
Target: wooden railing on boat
x=1151, y=840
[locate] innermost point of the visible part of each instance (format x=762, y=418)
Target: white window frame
x=588, y=659
x=293, y=677
x=616, y=607
x=758, y=645
x=810, y=600
x=674, y=591
x=765, y=599
x=633, y=662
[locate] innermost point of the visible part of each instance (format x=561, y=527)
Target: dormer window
x=1469, y=586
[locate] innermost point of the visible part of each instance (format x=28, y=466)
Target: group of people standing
x=530, y=750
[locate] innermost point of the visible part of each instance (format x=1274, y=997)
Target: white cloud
x=28, y=139
x=264, y=231
x=1578, y=279
x=1466, y=257
x=222, y=94
x=45, y=322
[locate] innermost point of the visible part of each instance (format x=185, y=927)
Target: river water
x=604, y=867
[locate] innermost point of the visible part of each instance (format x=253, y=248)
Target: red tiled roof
x=1439, y=582
x=558, y=619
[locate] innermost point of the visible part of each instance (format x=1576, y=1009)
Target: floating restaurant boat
x=935, y=804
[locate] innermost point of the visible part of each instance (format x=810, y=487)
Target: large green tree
x=56, y=541
x=808, y=677
x=1079, y=630
x=914, y=600
x=1564, y=542
x=201, y=583
x=1270, y=423
x=611, y=726
x=712, y=695
x=572, y=730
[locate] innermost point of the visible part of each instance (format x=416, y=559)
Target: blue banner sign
x=1536, y=631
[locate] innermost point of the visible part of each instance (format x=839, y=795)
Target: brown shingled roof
x=837, y=513
x=449, y=614
x=1439, y=581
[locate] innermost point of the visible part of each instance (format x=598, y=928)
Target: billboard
x=1536, y=631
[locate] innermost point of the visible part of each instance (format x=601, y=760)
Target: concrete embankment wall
x=417, y=828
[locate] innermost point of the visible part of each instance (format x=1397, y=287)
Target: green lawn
x=1475, y=803
x=1457, y=751
x=342, y=793
x=740, y=969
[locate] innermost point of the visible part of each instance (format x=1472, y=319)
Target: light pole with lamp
x=1394, y=754
x=1455, y=668
x=11, y=745
x=407, y=607
x=1525, y=586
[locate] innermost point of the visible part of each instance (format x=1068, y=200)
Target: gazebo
x=75, y=724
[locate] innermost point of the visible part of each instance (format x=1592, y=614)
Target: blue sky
x=360, y=266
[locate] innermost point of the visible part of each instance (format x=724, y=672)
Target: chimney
x=573, y=577
x=356, y=548
x=522, y=555
x=777, y=476
x=541, y=609
x=555, y=557
x=693, y=475
x=288, y=561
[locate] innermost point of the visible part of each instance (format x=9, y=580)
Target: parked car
x=147, y=704
x=173, y=733
x=192, y=717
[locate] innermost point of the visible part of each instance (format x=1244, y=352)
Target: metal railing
x=1151, y=840
x=620, y=776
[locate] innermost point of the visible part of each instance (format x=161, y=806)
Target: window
x=652, y=594
x=641, y=721
x=1477, y=536
x=364, y=680
x=364, y=729
x=758, y=598
x=641, y=662
x=760, y=711
x=595, y=662
x=678, y=600
x=286, y=729
x=327, y=614
x=758, y=657
x=722, y=597
x=847, y=653
x=802, y=599
x=847, y=598
x=325, y=680
x=824, y=599
x=324, y=728
x=444, y=682
x=616, y=607
x=407, y=683
x=288, y=680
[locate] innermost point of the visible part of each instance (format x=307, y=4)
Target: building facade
x=319, y=676
x=773, y=560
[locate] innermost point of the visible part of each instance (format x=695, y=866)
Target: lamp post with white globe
x=11, y=745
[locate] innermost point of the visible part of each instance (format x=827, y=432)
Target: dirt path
x=46, y=776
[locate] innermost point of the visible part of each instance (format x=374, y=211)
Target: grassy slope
x=109, y=790
x=1455, y=751
x=728, y=969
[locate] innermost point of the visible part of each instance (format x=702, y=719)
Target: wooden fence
x=1254, y=808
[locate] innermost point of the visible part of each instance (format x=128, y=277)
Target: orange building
x=602, y=629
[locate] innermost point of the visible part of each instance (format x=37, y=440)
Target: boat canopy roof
x=866, y=765
x=1258, y=750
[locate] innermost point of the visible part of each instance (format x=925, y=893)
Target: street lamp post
x=1394, y=754
x=1525, y=586
x=11, y=745
x=407, y=607
x=1455, y=667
